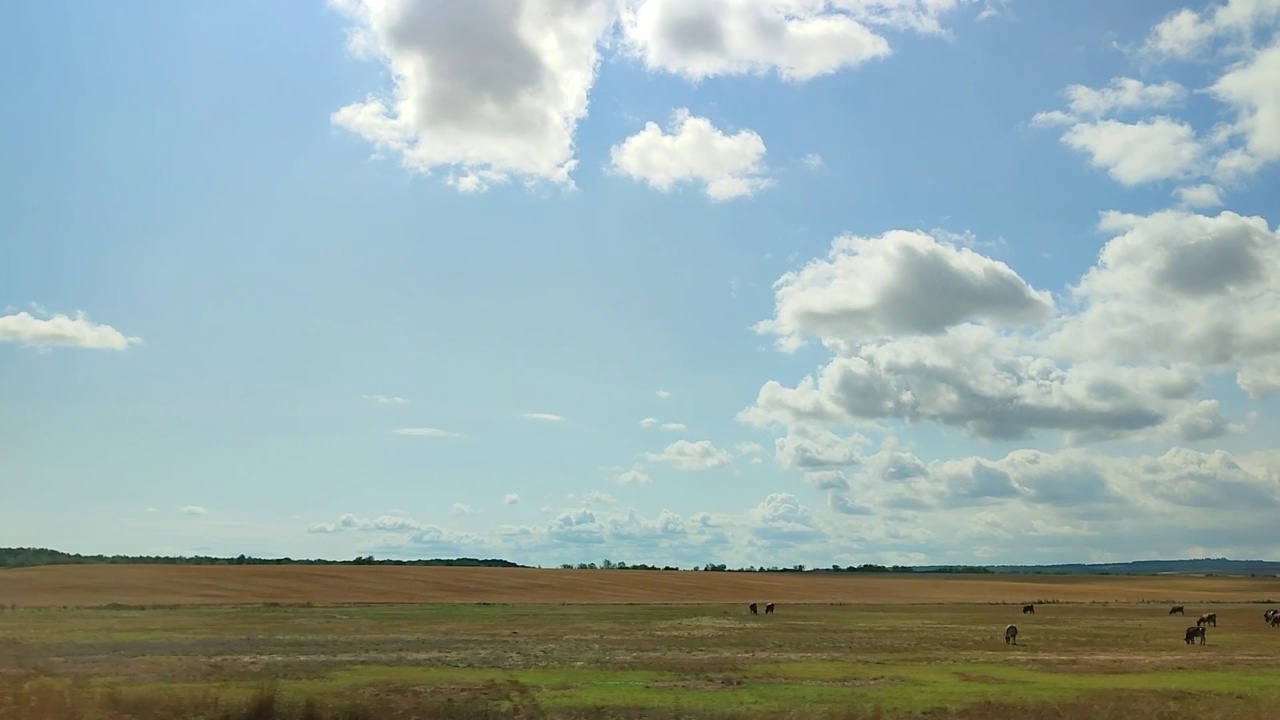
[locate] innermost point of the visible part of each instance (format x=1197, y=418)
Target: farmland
x=318, y=642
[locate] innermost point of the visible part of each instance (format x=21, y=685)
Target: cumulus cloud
x=694, y=151
x=491, y=89
x=663, y=394
x=690, y=456
x=60, y=330
x=511, y=499
x=1173, y=294
x=193, y=510
x=649, y=422
x=797, y=39
x=901, y=282
x=1161, y=147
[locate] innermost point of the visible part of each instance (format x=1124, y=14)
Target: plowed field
x=95, y=585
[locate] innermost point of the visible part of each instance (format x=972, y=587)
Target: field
x=313, y=642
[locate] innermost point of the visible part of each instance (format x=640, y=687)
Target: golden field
x=96, y=585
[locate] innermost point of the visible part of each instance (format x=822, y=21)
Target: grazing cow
x=1208, y=619
x=1011, y=635
x=1193, y=633
x=1028, y=609
x=768, y=608
x=752, y=608
x=1275, y=620
x=1176, y=610
x=1270, y=614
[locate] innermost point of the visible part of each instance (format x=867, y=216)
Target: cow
x=1208, y=619
x=1270, y=614
x=1275, y=619
x=1193, y=633
x=1011, y=635
x=1176, y=610
x=1028, y=609
x=768, y=608
x=752, y=608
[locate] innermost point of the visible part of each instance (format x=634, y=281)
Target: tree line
x=15, y=557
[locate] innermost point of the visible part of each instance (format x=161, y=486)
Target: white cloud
x=193, y=510
x=663, y=394
x=1186, y=33
x=385, y=399
x=633, y=477
x=898, y=282
x=545, y=417
x=1173, y=294
x=490, y=88
x=689, y=456
x=812, y=161
x=1177, y=287
x=649, y=422
x=61, y=330
x=463, y=509
x=673, y=426
x=511, y=499
x=1205, y=195
x=426, y=432
x=1120, y=95
x=1146, y=151
x=695, y=151
x=1251, y=89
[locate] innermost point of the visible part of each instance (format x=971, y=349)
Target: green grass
x=659, y=661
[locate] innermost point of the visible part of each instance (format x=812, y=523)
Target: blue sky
x=653, y=280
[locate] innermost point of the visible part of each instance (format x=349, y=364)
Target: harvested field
x=95, y=585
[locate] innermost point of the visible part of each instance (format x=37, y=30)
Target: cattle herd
x=1197, y=631
x=1272, y=618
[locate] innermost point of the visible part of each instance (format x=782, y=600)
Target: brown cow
x=1193, y=633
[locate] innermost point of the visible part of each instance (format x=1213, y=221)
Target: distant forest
x=33, y=557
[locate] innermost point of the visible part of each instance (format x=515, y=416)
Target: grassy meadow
x=487, y=660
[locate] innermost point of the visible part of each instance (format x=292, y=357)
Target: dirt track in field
x=89, y=585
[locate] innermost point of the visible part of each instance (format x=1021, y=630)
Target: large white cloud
x=493, y=88
x=60, y=330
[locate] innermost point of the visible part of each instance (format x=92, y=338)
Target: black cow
x=1193, y=633
x=1028, y=609
x=1275, y=620
x=1176, y=610
x=1208, y=619
x=768, y=608
x=752, y=608
x=1011, y=634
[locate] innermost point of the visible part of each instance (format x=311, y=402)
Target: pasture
x=551, y=644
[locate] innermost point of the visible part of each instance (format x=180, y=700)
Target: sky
x=766, y=282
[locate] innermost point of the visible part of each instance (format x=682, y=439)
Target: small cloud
x=648, y=422
x=812, y=161
x=193, y=510
x=386, y=399
x=426, y=432
x=61, y=330
x=545, y=417
x=663, y=394
x=673, y=426
x=633, y=477
x=463, y=509
x=511, y=499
